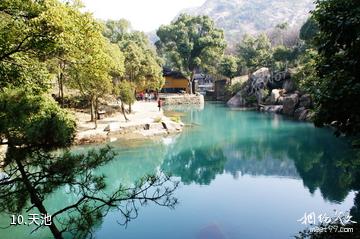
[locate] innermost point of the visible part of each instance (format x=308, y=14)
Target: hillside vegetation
x=238, y=17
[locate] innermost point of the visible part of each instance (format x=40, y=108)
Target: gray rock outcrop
x=290, y=103
x=275, y=96
x=305, y=101
x=258, y=82
x=289, y=86
x=300, y=113
x=237, y=101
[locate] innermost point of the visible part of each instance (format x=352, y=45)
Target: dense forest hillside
x=238, y=17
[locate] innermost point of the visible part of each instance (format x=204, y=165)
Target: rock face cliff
x=238, y=17
x=282, y=100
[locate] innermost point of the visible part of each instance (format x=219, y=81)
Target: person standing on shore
x=159, y=103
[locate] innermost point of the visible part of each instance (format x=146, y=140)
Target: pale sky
x=144, y=15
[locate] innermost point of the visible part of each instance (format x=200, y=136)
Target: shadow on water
x=249, y=143
x=266, y=145
x=262, y=144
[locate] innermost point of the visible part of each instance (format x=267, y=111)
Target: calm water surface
x=243, y=175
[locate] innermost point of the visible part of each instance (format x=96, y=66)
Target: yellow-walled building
x=175, y=82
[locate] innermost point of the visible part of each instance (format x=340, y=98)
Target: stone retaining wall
x=183, y=99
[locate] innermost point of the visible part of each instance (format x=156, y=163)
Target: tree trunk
x=61, y=83
x=123, y=111
x=35, y=198
x=191, y=82
x=92, y=109
x=190, y=86
x=130, y=109
x=62, y=89
x=96, y=111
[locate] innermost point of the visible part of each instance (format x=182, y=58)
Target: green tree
x=32, y=125
x=27, y=28
x=280, y=31
x=27, y=38
x=67, y=17
x=228, y=66
x=27, y=118
x=191, y=43
x=117, y=68
x=338, y=66
x=32, y=175
x=116, y=30
x=142, y=65
x=124, y=90
x=309, y=30
x=306, y=72
x=255, y=52
x=284, y=57
x=151, y=63
x=134, y=60
x=90, y=71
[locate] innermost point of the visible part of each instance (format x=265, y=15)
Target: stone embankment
x=145, y=121
x=182, y=99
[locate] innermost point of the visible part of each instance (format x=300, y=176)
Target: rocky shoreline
x=146, y=121
x=295, y=105
x=284, y=98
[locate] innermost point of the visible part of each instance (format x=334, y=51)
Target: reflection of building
x=175, y=82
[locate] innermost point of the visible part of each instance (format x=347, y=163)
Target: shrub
x=34, y=120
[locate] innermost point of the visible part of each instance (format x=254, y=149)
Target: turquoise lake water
x=243, y=175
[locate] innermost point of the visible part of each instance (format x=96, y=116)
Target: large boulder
x=280, y=100
x=275, y=96
x=301, y=113
x=290, y=103
x=259, y=81
x=237, y=101
x=305, y=101
x=262, y=74
x=304, y=116
x=278, y=78
x=289, y=86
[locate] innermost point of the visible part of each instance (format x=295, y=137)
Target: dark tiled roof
x=174, y=74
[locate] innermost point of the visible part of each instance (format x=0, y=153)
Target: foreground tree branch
x=36, y=175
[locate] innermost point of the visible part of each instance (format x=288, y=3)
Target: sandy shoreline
x=145, y=121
